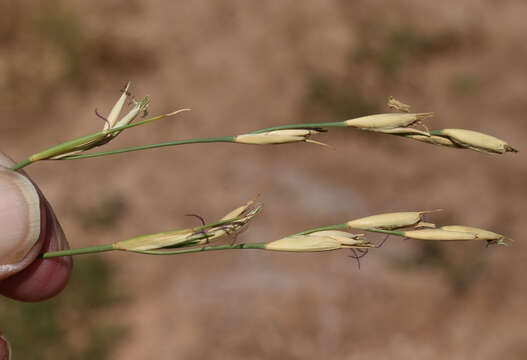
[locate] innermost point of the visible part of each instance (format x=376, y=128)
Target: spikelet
x=476, y=141
x=389, y=221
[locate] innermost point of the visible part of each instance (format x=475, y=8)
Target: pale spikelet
x=304, y=243
x=389, y=221
x=116, y=110
x=476, y=141
x=433, y=139
x=155, y=241
x=240, y=218
x=491, y=237
x=139, y=107
x=439, y=234
x=79, y=145
x=397, y=105
x=277, y=137
x=387, y=121
x=345, y=238
x=319, y=241
x=238, y=211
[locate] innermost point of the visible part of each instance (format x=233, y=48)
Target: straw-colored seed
x=439, y=234
x=116, y=110
x=345, y=238
x=237, y=212
x=481, y=233
x=304, y=243
x=388, y=221
x=386, y=121
x=154, y=241
x=276, y=136
x=477, y=141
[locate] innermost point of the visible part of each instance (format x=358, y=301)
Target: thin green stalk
x=389, y=232
x=152, y=146
x=104, y=248
x=71, y=252
x=302, y=126
x=21, y=164
x=323, y=228
x=205, y=140
x=345, y=226
x=63, y=148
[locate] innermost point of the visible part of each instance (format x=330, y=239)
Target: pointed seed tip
x=425, y=115
x=177, y=112
x=431, y=211
x=319, y=143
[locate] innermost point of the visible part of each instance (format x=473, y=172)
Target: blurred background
x=246, y=65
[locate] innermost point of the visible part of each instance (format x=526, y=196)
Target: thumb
x=24, y=215
x=19, y=222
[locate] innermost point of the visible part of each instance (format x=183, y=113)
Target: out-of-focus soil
x=245, y=65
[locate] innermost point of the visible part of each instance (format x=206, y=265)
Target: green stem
x=345, y=226
x=436, y=132
x=259, y=246
x=152, y=146
x=205, y=140
x=302, y=126
x=323, y=228
x=21, y=164
x=104, y=248
x=389, y=232
x=71, y=252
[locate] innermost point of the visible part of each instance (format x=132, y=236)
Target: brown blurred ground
x=244, y=65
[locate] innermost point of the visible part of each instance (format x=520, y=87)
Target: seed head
x=383, y=122
x=113, y=116
x=79, y=145
x=278, y=137
x=389, y=221
x=476, y=141
x=318, y=241
x=439, y=234
x=344, y=237
x=154, y=241
x=491, y=237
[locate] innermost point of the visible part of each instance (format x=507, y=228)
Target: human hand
x=23, y=276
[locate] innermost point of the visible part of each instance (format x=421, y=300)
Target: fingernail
x=19, y=218
x=5, y=348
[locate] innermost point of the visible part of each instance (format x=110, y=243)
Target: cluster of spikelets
x=114, y=124
x=401, y=124
x=231, y=224
x=333, y=237
x=383, y=223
